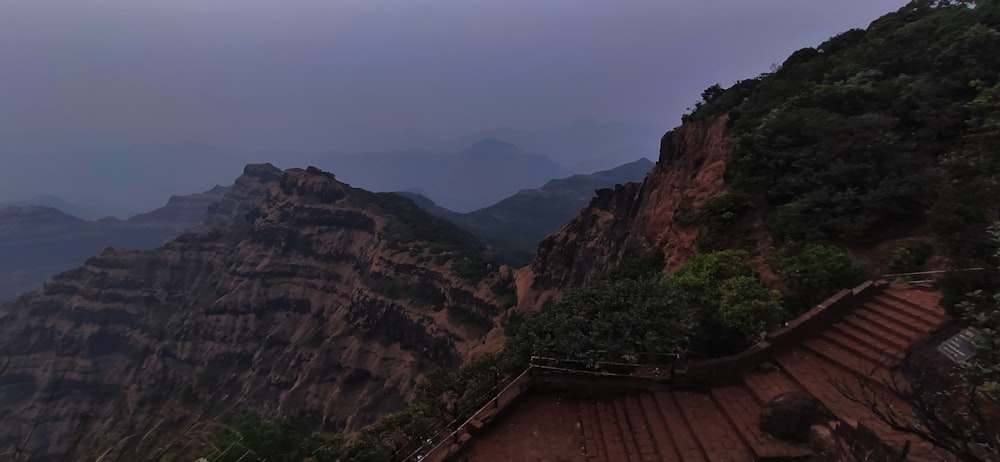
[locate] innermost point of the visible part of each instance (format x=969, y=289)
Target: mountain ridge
x=516, y=225
x=38, y=242
x=316, y=297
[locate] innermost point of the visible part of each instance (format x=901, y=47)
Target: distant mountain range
x=515, y=225
x=37, y=241
x=583, y=146
x=478, y=175
x=101, y=177
x=86, y=212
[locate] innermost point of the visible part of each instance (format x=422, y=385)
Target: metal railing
x=440, y=435
x=906, y=276
x=447, y=434
x=658, y=365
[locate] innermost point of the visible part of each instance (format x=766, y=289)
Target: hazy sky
x=83, y=75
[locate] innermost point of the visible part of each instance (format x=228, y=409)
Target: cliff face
x=313, y=302
x=634, y=220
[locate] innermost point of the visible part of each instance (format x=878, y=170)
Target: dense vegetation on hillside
x=876, y=131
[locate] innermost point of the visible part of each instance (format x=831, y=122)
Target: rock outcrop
x=300, y=295
x=635, y=220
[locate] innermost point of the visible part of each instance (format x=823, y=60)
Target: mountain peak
x=264, y=171
x=491, y=147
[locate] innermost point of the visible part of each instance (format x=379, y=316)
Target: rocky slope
x=38, y=242
x=635, y=220
x=322, y=300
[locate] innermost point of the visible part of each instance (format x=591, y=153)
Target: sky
x=117, y=101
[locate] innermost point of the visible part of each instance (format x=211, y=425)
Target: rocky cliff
x=635, y=220
x=303, y=295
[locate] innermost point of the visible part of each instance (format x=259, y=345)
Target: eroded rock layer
x=302, y=295
x=634, y=220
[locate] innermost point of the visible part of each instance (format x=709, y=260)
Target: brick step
x=593, y=441
x=927, y=301
x=915, y=327
x=743, y=411
x=662, y=436
x=641, y=430
x=917, y=315
x=888, y=324
x=866, y=338
x=612, y=434
x=848, y=343
x=815, y=373
x=766, y=384
x=687, y=445
x=711, y=428
x=876, y=330
x=628, y=431
x=847, y=360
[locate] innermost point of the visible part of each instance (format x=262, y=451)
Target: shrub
x=815, y=272
x=734, y=307
x=699, y=280
x=248, y=437
x=716, y=220
x=908, y=256
x=750, y=308
x=617, y=317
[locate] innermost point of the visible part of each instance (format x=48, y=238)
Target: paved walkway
x=723, y=423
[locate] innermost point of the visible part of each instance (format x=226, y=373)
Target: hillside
x=515, y=225
x=877, y=142
x=306, y=297
x=38, y=242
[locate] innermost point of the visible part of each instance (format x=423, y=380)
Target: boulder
x=790, y=415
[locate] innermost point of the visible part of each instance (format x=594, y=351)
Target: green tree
x=749, y=307
x=699, y=281
x=618, y=317
x=733, y=305
x=248, y=437
x=815, y=272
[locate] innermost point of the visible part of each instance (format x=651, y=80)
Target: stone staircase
x=722, y=422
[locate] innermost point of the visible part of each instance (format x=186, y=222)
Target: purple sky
x=355, y=75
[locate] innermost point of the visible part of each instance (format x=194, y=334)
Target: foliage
x=908, y=256
x=443, y=395
x=617, y=317
x=749, y=307
x=717, y=218
x=248, y=437
x=639, y=268
x=875, y=129
x=734, y=308
x=700, y=280
x=457, y=394
x=815, y=272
